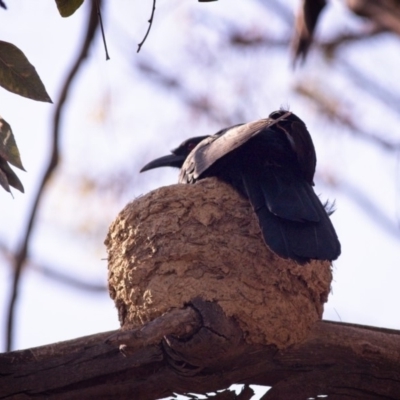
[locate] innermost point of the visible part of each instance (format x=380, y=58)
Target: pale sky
x=115, y=117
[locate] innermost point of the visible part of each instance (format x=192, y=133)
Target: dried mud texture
x=184, y=241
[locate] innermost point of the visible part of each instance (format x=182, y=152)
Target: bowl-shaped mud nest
x=186, y=241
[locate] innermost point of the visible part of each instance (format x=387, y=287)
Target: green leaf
x=8, y=147
x=11, y=178
x=67, y=7
x=18, y=75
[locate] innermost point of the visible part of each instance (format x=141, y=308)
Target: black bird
x=272, y=163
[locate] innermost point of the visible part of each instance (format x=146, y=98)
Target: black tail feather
x=293, y=221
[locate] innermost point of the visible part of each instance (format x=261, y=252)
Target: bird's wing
x=212, y=149
x=303, y=146
x=287, y=196
x=292, y=226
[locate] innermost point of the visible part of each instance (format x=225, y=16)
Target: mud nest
x=186, y=241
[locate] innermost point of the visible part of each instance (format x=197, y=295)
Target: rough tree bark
x=203, y=303
x=341, y=360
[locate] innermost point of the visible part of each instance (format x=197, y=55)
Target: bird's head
x=300, y=140
x=289, y=118
x=178, y=156
x=277, y=114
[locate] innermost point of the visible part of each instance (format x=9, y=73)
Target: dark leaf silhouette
x=4, y=181
x=8, y=177
x=9, y=154
x=67, y=7
x=18, y=75
x=8, y=146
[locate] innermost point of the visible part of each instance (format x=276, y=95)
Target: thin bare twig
x=372, y=87
x=69, y=280
x=243, y=39
x=102, y=29
x=22, y=252
x=383, y=13
x=201, y=103
x=53, y=274
x=150, y=25
x=364, y=202
x=329, y=47
x=329, y=108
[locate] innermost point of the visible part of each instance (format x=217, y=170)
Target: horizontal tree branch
x=337, y=359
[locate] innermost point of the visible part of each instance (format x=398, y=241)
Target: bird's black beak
x=171, y=160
